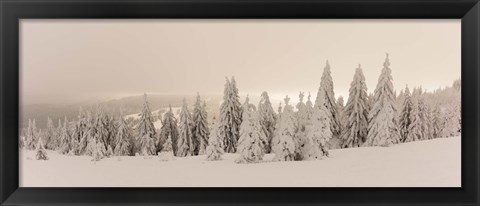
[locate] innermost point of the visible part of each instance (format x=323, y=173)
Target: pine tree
x=65, y=139
x=41, y=154
x=326, y=87
x=356, y=112
x=185, y=125
x=32, y=136
x=230, y=116
x=405, y=115
x=301, y=114
x=318, y=133
x=415, y=131
x=438, y=123
x=123, y=139
x=50, y=135
x=214, y=149
x=382, y=128
x=146, y=131
x=99, y=151
x=250, y=144
x=341, y=113
x=283, y=143
x=268, y=120
x=200, y=127
x=169, y=130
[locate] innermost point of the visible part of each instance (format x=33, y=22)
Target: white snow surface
x=430, y=163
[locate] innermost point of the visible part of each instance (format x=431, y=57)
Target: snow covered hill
x=430, y=163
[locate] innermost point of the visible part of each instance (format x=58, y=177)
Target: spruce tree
x=438, y=123
x=382, y=128
x=230, y=116
x=318, y=133
x=283, y=144
x=326, y=91
x=65, y=139
x=169, y=130
x=301, y=121
x=405, y=115
x=50, y=135
x=356, y=112
x=32, y=136
x=123, y=138
x=268, y=120
x=146, y=131
x=214, y=149
x=250, y=144
x=184, y=144
x=341, y=113
x=200, y=127
x=41, y=154
x=415, y=130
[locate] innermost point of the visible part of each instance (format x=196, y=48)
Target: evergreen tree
x=214, y=149
x=283, y=143
x=146, y=131
x=356, y=112
x=169, y=130
x=309, y=107
x=405, y=115
x=382, y=128
x=438, y=123
x=99, y=151
x=415, y=130
x=230, y=116
x=301, y=114
x=250, y=144
x=65, y=139
x=341, y=113
x=32, y=136
x=50, y=135
x=41, y=154
x=185, y=145
x=318, y=133
x=268, y=120
x=123, y=139
x=326, y=87
x=200, y=127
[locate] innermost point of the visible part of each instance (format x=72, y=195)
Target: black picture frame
x=13, y=10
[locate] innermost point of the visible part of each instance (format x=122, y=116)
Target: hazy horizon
x=70, y=61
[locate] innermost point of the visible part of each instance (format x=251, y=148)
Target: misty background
x=70, y=63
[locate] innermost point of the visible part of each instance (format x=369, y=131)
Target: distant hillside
x=128, y=105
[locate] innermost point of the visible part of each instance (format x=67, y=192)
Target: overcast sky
x=66, y=61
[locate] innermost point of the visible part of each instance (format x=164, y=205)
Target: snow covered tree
x=41, y=154
x=301, y=114
x=200, y=127
x=406, y=115
x=50, y=135
x=452, y=126
x=250, y=143
x=31, y=137
x=318, y=133
x=341, y=112
x=437, y=123
x=326, y=87
x=99, y=151
x=185, y=125
x=382, y=128
x=356, y=112
x=65, y=139
x=214, y=149
x=123, y=139
x=415, y=130
x=230, y=116
x=146, y=131
x=169, y=131
x=309, y=107
x=268, y=119
x=283, y=143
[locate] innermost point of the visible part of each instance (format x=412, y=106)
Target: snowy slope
x=431, y=163
x=157, y=113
